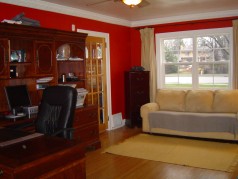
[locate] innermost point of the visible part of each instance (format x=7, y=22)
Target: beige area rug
x=195, y=153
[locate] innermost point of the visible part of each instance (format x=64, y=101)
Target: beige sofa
x=193, y=113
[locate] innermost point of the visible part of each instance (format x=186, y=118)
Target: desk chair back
x=56, y=111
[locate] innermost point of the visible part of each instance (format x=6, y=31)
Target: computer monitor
x=17, y=96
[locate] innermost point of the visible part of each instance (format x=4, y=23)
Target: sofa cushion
x=199, y=101
x=226, y=101
x=171, y=100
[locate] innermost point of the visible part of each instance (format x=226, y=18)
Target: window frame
x=159, y=37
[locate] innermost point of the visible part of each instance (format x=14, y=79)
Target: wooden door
x=45, y=57
x=96, y=78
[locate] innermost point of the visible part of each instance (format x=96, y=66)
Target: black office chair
x=56, y=111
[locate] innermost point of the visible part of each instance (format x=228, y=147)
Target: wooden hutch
x=29, y=54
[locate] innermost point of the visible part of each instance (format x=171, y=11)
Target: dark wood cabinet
x=28, y=54
x=136, y=94
x=45, y=63
x=86, y=126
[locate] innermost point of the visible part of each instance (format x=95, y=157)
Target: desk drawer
x=85, y=116
x=87, y=133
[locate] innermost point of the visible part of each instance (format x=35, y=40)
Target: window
x=200, y=59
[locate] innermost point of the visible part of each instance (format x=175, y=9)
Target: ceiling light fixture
x=132, y=3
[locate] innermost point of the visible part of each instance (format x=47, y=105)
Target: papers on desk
x=20, y=139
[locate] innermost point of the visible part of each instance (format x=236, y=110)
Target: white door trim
x=108, y=76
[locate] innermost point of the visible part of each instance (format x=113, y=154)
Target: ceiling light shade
x=132, y=2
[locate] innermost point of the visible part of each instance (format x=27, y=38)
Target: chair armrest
x=144, y=111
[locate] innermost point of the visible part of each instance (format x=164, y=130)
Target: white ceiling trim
x=37, y=4
x=190, y=17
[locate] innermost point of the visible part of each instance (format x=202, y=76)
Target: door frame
x=108, y=71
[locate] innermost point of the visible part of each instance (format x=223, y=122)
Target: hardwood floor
x=107, y=166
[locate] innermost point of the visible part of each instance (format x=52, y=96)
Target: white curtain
x=148, y=60
x=235, y=48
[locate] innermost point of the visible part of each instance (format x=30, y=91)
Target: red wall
x=120, y=46
x=125, y=42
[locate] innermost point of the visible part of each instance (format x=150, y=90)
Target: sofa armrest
x=144, y=111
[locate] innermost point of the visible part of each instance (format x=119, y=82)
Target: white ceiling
x=156, y=8
x=157, y=12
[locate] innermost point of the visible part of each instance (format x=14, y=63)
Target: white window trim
x=182, y=34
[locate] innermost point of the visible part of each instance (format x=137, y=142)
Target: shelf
x=19, y=63
x=69, y=61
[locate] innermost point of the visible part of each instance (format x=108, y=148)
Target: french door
x=96, y=78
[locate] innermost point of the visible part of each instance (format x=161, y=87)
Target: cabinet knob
x=1, y=172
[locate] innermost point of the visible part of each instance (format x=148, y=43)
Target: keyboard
x=12, y=116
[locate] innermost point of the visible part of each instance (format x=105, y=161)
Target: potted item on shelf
x=18, y=56
x=63, y=52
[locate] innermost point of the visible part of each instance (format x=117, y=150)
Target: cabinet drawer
x=139, y=78
x=87, y=133
x=84, y=117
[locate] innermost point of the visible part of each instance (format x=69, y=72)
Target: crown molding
x=38, y=4
x=47, y=6
x=190, y=17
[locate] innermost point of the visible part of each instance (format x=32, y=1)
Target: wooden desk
x=85, y=125
x=41, y=157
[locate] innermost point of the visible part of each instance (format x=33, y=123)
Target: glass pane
x=101, y=100
x=94, y=83
x=221, y=41
x=221, y=81
x=171, y=56
x=205, y=55
x=186, y=44
x=101, y=116
x=205, y=43
x=86, y=52
x=205, y=77
x=221, y=76
x=95, y=99
x=88, y=85
x=99, y=50
x=205, y=69
x=89, y=98
x=178, y=50
x=172, y=44
x=221, y=69
x=205, y=81
x=213, y=76
x=221, y=55
x=178, y=76
x=100, y=65
x=186, y=56
x=88, y=67
x=94, y=67
x=171, y=69
x=213, y=48
x=100, y=88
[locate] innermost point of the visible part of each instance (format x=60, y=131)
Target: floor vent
x=117, y=121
